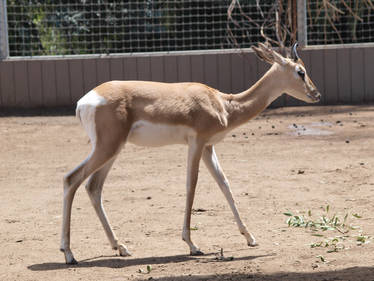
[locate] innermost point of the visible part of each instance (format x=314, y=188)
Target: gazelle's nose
x=315, y=96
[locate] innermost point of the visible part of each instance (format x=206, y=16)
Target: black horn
x=294, y=54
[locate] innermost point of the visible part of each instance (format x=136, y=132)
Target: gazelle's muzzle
x=315, y=96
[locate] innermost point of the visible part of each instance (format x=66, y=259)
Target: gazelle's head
x=290, y=72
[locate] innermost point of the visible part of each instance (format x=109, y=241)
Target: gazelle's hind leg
x=94, y=189
x=72, y=181
x=107, y=134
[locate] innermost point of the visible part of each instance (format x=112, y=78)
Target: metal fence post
x=302, y=23
x=4, y=44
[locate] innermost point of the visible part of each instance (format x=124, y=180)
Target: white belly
x=218, y=137
x=146, y=133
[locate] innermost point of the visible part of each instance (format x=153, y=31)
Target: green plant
x=149, y=269
x=332, y=223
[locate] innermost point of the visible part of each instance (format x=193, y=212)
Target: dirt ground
x=295, y=160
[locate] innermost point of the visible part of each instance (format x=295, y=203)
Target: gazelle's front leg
x=211, y=161
x=195, y=148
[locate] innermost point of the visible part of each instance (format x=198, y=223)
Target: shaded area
x=349, y=274
x=313, y=110
x=38, y=111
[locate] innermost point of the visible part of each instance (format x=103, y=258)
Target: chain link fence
x=340, y=21
x=101, y=27
x=68, y=27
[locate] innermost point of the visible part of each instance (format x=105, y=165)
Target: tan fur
x=207, y=112
x=191, y=104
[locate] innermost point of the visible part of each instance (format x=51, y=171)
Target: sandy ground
x=287, y=160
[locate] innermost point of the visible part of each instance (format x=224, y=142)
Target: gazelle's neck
x=246, y=105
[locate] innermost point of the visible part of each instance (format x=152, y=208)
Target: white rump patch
x=145, y=133
x=92, y=98
x=86, y=109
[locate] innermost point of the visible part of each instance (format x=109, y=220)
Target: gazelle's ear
x=263, y=55
x=278, y=58
x=267, y=54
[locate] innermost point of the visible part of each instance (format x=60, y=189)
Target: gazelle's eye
x=301, y=74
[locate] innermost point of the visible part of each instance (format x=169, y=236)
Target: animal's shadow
x=119, y=262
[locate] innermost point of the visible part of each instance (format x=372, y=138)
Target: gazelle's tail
x=78, y=113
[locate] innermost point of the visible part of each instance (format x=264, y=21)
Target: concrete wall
x=343, y=74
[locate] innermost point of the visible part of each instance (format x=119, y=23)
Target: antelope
x=156, y=114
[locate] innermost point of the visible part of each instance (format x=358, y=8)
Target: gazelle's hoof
x=73, y=261
x=123, y=251
x=253, y=244
x=197, y=253
x=69, y=258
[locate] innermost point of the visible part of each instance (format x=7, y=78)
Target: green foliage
x=148, y=271
x=329, y=223
x=325, y=222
